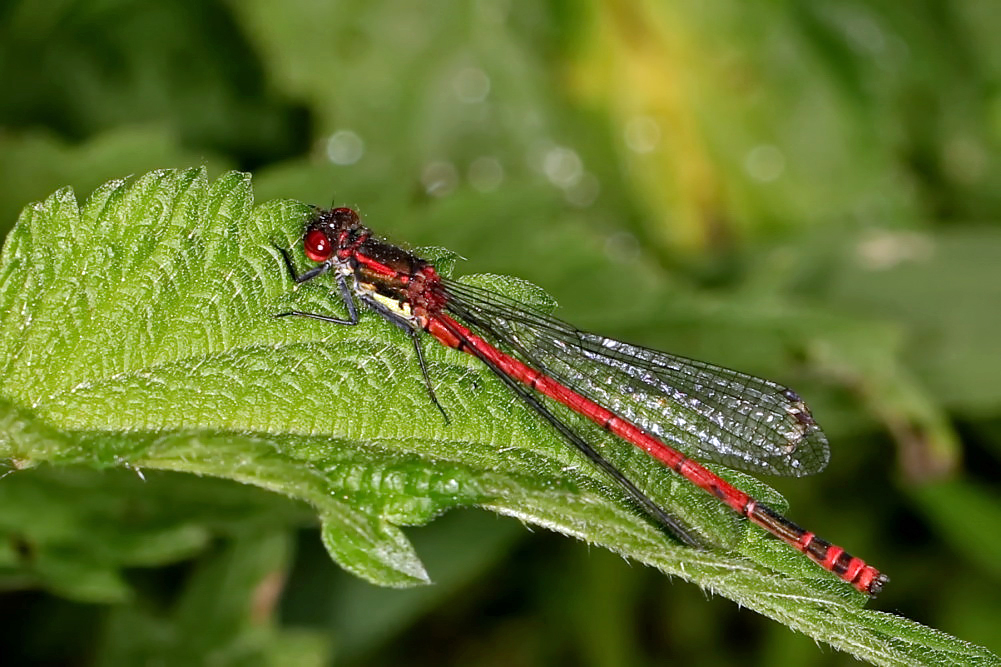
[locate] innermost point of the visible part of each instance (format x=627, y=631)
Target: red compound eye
x=317, y=246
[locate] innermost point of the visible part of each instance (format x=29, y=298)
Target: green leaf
x=224, y=615
x=73, y=530
x=138, y=330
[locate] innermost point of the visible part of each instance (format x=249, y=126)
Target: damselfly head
x=329, y=230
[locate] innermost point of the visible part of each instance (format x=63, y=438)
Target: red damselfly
x=662, y=403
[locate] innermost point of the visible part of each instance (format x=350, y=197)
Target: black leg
x=415, y=337
x=349, y=303
x=409, y=329
x=308, y=275
x=352, y=319
x=300, y=278
x=316, y=316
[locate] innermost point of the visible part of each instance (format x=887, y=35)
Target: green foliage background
x=803, y=191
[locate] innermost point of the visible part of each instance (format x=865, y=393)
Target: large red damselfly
x=662, y=403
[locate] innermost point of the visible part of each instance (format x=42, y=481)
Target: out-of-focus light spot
x=865, y=34
x=471, y=85
x=439, y=178
x=860, y=27
x=897, y=51
x=562, y=166
x=765, y=163
x=583, y=193
x=622, y=247
x=965, y=160
x=485, y=174
x=494, y=11
x=344, y=147
x=642, y=134
x=883, y=249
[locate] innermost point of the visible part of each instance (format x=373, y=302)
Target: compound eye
x=317, y=246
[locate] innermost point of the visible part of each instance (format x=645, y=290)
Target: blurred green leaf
x=74, y=531
x=939, y=285
x=961, y=509
x=225, y=615
x=34, y=163
x=204, y=82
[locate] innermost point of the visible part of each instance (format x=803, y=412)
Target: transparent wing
x=712, y=413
